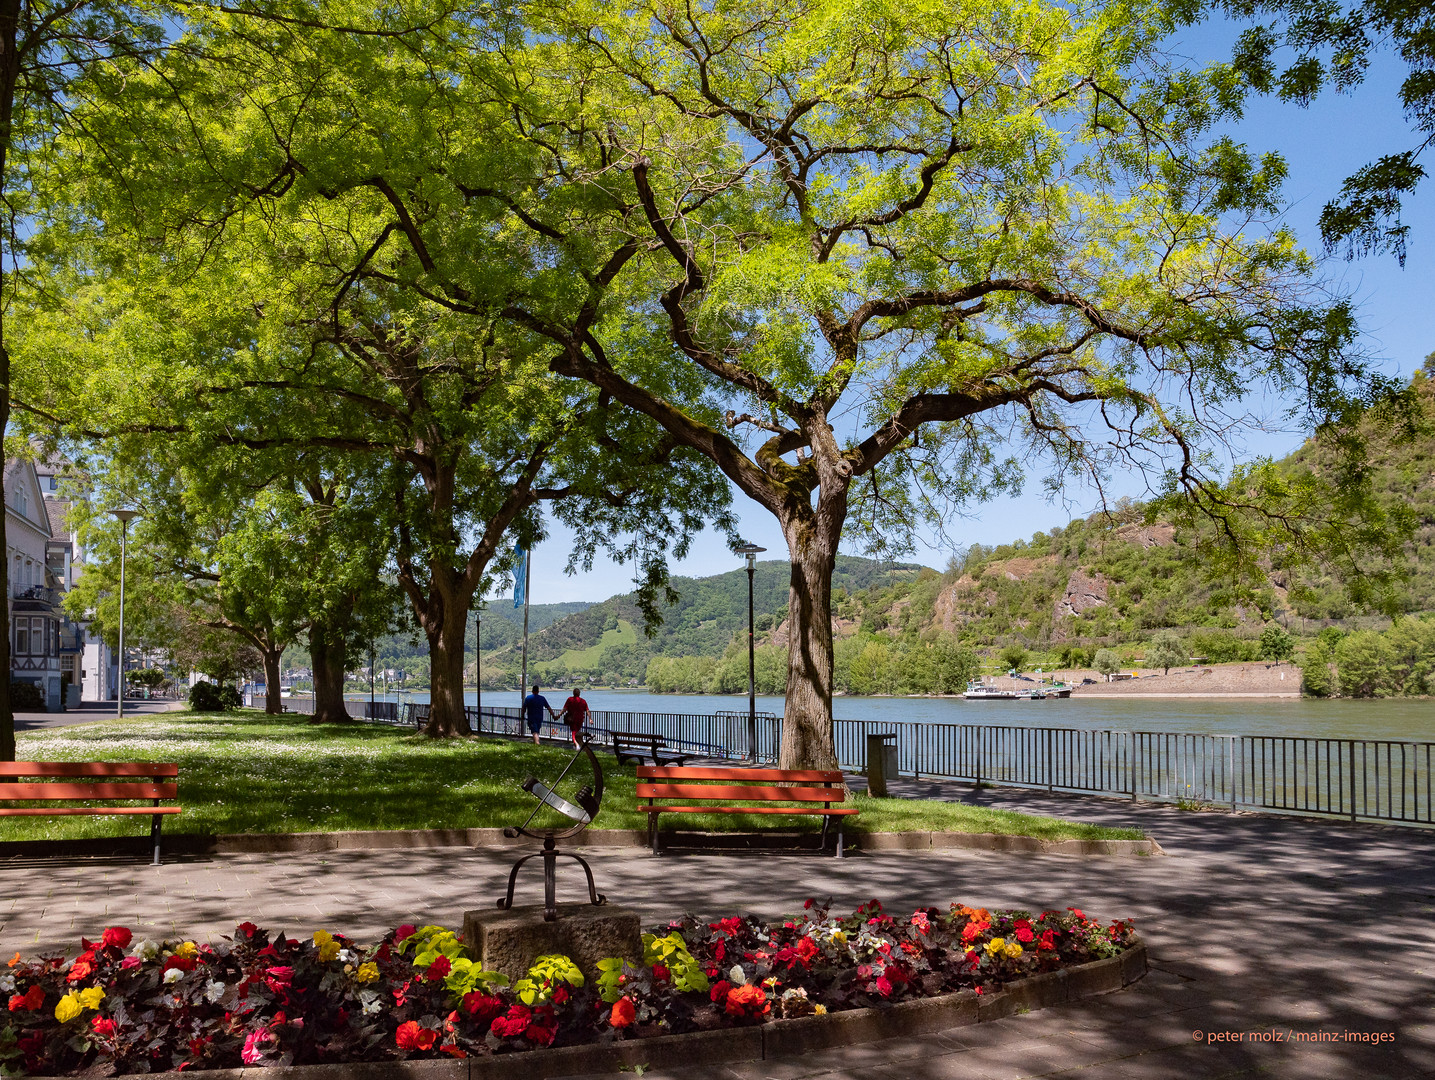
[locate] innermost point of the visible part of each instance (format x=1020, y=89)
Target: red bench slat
x=9, y=792
x=702, y=772
x=753, y=794
x=827, y=812
x=70, y=811
x=87, y=768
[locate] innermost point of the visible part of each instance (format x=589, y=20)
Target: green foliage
x=1107, y=661
x=671, y=951
x=26, y=697
x=1277, y=644
x=206, y=697
x=1166, y=650
x=545, y=976
x=1013, y=657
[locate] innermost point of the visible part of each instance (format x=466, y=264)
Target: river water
x=1410, y=719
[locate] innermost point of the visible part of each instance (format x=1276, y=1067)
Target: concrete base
x=509, y=941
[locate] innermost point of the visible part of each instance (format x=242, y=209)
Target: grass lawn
x=250, y=773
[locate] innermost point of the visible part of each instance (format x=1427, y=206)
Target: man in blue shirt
x=533, y=706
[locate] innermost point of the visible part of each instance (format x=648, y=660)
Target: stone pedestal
x=509, y=941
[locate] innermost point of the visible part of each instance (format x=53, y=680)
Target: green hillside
x=1110, y=581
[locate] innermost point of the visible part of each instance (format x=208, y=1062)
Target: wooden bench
x=28, y=781
x=703, y=790
x=639, y=745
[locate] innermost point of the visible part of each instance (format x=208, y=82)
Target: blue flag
x=520, y=575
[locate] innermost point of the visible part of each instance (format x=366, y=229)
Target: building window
x=22, y=637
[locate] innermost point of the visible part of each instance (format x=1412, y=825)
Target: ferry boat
x=982, y=692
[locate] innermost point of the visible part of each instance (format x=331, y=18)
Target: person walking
x=575, y=711
x=533, y=706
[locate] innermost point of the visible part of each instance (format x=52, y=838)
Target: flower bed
x=126, y=1006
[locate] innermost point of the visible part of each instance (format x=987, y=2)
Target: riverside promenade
x=1263, y=932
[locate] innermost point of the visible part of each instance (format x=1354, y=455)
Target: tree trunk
x=445, y=636
x=807, y=739
x=329, y=657
x=273, y=703
x=10, y=11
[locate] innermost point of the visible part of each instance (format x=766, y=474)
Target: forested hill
x=1111, y=580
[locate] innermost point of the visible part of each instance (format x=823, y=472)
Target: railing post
x=1352, y=779
x=1231, y=769
x=1050, y=784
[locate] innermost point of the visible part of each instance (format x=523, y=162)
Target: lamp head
x=125, y=515
x=750, y=550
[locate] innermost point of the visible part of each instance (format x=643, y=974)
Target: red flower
x=544, y=1028
x=248, y=929
x=403, y=932
x=884, y=986
x=82, y=968
x=130, y=962
x=719, y=991
x=512, y=1022
x=720, y=951
x=747, y=1000
x=1047, y=941
x=439, y=968
x=1022, y=924
x=103, y=1027
x=730, y=925
x=184, y=963
x=117, y=936
x=32, y=998
x=31, y=1043
x=560, y=995
x=412, y=1036
x=623, y=1013
x=454, y=1051
x=974, y=930
x=278, y=978
x=482, y=1007
x=1024, y=935
x=661, y=973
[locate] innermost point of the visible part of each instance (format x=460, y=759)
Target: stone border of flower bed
x=776, y=1039
x=385, y=839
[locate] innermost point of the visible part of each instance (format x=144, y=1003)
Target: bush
x=26, y=697
x=1166, y=650
x=206, y=697
x=1276, y=644
x=1013, y=657
x=1107, y=661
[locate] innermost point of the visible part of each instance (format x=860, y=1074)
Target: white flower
x=173, y=975
x=346, y=956
x=737, y=976
x=7, y=983
x=371, y=1008
x=145, y=949
x=213, y=991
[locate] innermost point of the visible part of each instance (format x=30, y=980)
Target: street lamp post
x=751, y=551
x=124, y=516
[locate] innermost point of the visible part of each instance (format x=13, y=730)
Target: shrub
x=1276, y=644
x=1107, y=661
x=26, y=697
x=1166, y=650
x=206, y=697
x=1013, y=657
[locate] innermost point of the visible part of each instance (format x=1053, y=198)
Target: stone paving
x=1259, y=927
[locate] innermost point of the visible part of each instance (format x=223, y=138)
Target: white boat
x=982, y=692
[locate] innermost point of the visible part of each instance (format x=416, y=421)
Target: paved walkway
x=90, y=711
x=1255, y=924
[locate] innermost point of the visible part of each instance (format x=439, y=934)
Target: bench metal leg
x=840, y=854
x=154, y=836
x=653, y=832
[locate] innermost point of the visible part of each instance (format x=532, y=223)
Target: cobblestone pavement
x=1259, y=927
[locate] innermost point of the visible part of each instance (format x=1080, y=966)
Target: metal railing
x=1383, y=780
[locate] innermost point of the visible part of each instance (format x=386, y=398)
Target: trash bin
x=881, y=762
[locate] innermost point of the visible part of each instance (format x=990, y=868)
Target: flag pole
x=527, y=580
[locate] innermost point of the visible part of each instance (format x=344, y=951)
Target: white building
x=44, y=646
x=95, y=670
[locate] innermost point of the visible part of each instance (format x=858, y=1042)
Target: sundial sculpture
x=582, y=808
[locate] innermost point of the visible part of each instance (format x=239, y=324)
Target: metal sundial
x=581, y=808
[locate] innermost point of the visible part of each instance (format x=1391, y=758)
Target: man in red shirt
x=575, y=711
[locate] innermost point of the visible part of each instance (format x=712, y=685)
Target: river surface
x=1411, y=719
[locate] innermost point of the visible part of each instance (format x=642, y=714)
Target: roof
x=58, y=509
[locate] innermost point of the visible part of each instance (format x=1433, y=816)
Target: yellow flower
x=1012, y=950
x=69, y=1007
x=995, y=946
x=819, y=1010
x=328, y=951
x=322, y=937
x=187, y=949
x=367, y=973
x=92, y=997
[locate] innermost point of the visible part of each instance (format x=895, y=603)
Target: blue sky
x=1322, y=145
